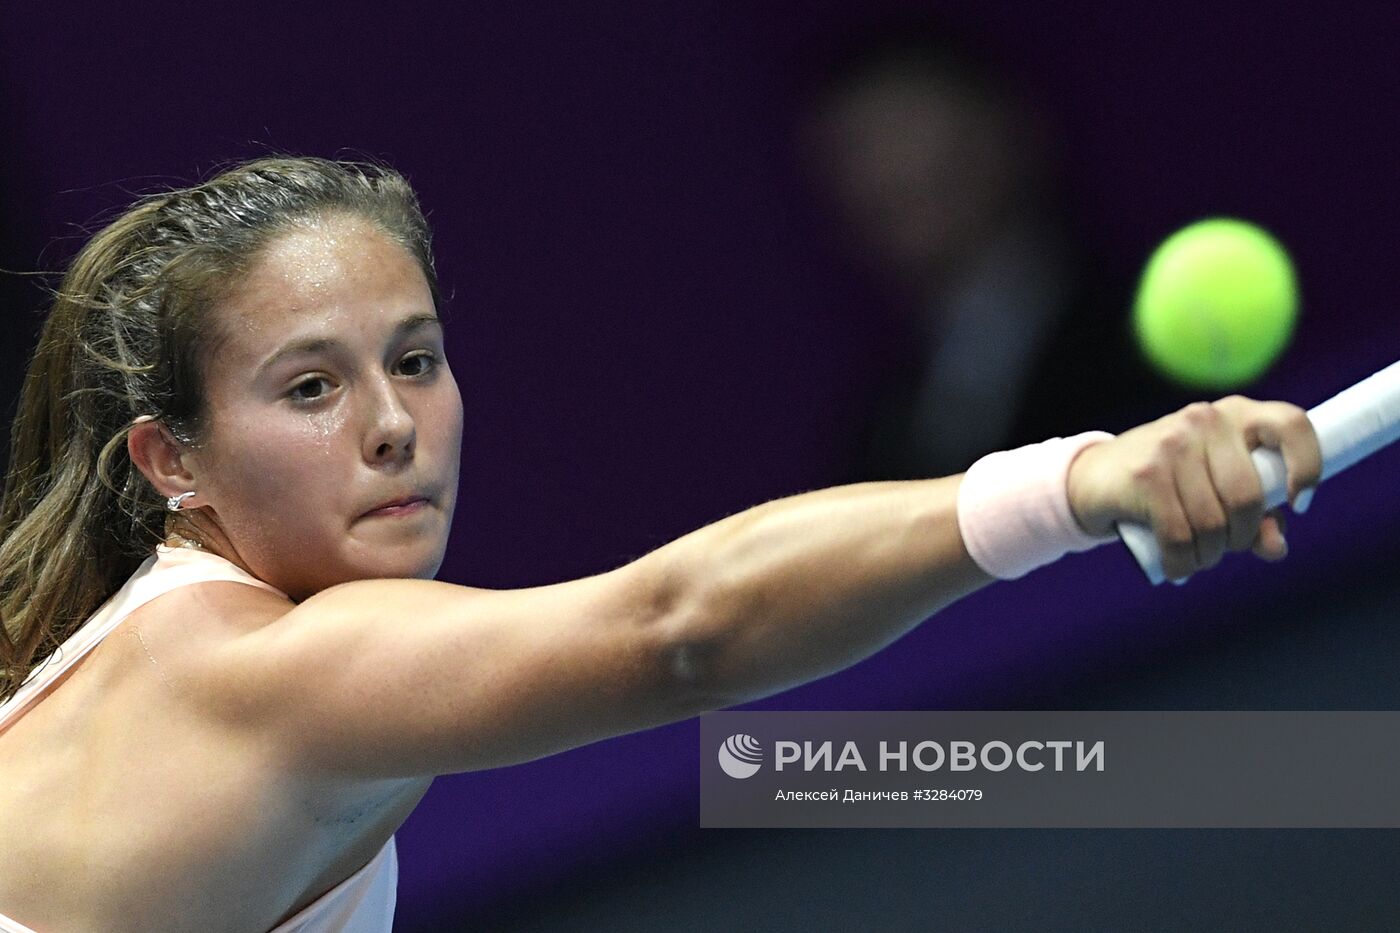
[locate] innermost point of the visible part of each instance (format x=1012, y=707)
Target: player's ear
x=158, y=456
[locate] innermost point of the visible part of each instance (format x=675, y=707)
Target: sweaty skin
x=300, y=737
x=299, y=450
x=199, y=822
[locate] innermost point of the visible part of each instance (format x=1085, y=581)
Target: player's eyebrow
x=318, y=344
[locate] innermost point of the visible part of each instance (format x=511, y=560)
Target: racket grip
x=1273, y=477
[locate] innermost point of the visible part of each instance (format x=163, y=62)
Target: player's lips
x=402, y=505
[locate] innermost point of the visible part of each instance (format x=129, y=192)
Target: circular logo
x=740, y=755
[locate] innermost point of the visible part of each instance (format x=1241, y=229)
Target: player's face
x=302, y=444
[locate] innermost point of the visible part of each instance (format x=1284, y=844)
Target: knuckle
x=1234, y=402
x=1149, y=473
x=1294, y=418
x=1173, y=443
x=1200, y=414
x=1214, y=526
x=1177, y=536
x=1243, y=497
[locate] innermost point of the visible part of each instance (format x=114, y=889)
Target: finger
x=1236, y=482
x=1167, y=519
x=1286, y=428
x=1203, y=509
x=1271, y=544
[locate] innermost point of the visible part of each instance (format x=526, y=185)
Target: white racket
x=1350, y=426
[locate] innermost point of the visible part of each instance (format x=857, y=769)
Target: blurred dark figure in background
x=947, y=186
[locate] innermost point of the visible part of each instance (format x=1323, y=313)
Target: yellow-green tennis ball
x=1217, y=304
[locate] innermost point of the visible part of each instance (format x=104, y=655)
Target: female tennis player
x=229, y=675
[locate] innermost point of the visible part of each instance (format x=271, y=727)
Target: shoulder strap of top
x=165, y=570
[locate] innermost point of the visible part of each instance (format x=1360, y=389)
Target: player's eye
x=309, y=383
x=426, y=363
x=416, y=366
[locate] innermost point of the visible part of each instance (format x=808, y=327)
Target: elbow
x=688, y=613
x=691, y=672
x=690, y=666
x=694, y=655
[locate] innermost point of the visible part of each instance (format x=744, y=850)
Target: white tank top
x=362, y=903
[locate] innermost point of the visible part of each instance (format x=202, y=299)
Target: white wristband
x=1013, y=507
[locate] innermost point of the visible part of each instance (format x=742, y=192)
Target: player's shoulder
x=191, y=623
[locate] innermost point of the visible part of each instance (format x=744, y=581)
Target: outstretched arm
x=801, y=587
x=381, y=678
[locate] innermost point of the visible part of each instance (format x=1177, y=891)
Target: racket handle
x=1273, y=476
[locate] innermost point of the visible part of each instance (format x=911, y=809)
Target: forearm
x=800, y=587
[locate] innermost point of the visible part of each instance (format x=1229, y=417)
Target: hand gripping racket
x=1350, y=426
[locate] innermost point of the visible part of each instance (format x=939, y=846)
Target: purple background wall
x=651, y=326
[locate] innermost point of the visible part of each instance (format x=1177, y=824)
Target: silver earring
x=175, y=503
